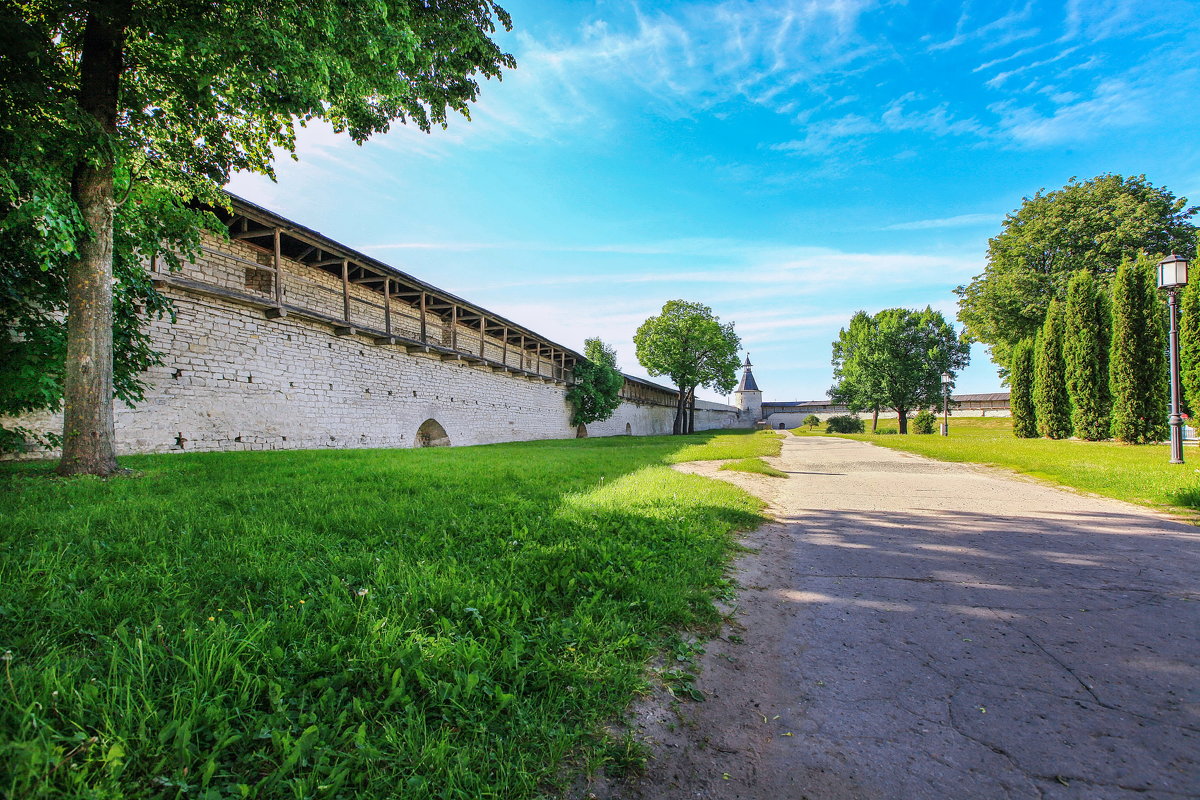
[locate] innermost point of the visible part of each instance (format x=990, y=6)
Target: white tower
x=747, y=396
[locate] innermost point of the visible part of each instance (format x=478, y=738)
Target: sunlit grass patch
x=756, y=465
x=451, y=623
x=731, y=445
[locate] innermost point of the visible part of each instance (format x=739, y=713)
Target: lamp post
x=1172, y=274
x=946, y=379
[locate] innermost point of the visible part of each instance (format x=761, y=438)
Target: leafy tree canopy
x=119, y=118
x=596, y=393
x=692, y=346
x=1089, y=225
x=895, y=360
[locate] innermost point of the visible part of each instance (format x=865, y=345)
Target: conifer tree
x=1138, y=358
x=1020, y=381
x=1189, y=347
x=1050, y=399
x=1085, y=351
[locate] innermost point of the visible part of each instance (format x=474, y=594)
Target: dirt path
x=914, y=629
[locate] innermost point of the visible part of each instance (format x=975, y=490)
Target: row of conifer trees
x=1097, y=369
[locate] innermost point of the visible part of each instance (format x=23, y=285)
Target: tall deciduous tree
x=690, y=345
x=1090, y=225
x=110, y=95
x=1085, y=350
x=1020, y=381
x=1050, y=397
x=895, y=360
x=1137, y=360
x=596, y=393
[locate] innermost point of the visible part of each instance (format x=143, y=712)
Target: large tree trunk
x=680, y=401
x=692, y=412
x=874, y=419
x=88, y=376
x=903, y=418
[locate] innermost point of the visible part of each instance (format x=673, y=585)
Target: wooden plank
x=278, y=272
x=522, y=352
x=253, y=234
x=504, y=352
x=387, y=306
x=424, y=333
x=345, y=290
x=453, y=327
x=482, y=334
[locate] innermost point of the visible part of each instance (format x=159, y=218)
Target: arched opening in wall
x=628, y=429
x=581, y=432
x=431, y=434
x=781, y=426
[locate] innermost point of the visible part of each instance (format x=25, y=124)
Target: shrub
x=886, y=431
x=1137, y=365
x=924, y=422
x=812, y=421
x=1050, y=398
x=844, y=424
x=1020, y=378
x=1085, y=353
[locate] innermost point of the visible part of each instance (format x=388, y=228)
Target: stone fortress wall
x=301, y=357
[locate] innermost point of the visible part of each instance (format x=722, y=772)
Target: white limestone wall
x=794, y=419
x=234, y=380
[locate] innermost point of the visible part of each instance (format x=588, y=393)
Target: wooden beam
x=522, y=352
x=253, y=234
x=424, y=336
x=482, y=334
x=369, y=279
x=344, y=330
x=504, y=352
x=326, y=262
x=345, y=290
x=387, y=306
x=453, y=327
x=304, y=253
x=278, y=272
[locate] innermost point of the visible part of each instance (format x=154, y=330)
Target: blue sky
x=786, y=163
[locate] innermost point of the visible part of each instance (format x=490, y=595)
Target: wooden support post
x=278, y=272
x=453, y=327
x=424, y=337
x=387, y=306
x=504, y=351
x=482, y=334
x=522, y=352
x=346, y=290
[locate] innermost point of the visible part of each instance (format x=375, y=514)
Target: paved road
x=930, y=630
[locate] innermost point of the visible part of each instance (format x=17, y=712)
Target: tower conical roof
x=748, y=383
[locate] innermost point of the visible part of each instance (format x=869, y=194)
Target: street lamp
x=1172, y=274
x=946, y=379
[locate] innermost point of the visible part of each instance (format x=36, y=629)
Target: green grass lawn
x=1139, y=474
x=443, y=623
x=755, y=465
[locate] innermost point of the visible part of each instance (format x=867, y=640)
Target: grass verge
x=450, y=623
x=1139, y=474
x=755, y=465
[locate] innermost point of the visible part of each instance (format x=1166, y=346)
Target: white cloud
x=960, y=221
